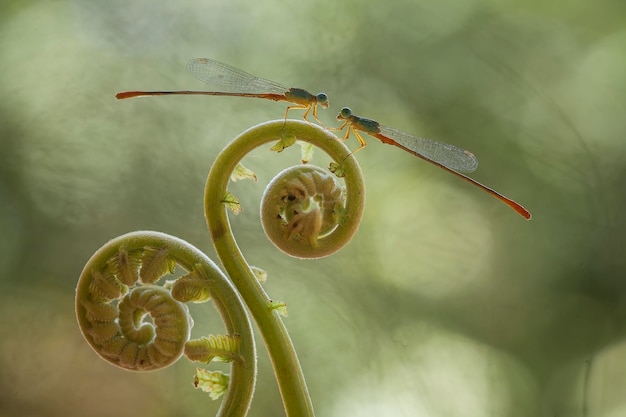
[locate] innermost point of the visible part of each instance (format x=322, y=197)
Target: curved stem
x=287, y=368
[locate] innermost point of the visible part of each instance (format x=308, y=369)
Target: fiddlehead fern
x=289, y=203
x=136, y=322
x=300, y=208
x=297, y=191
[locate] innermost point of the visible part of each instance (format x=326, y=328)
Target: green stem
x=290, y=378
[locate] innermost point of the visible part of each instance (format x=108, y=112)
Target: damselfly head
x=322, y=100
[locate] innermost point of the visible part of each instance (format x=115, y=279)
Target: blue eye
x=346, y=112
x=322, y=98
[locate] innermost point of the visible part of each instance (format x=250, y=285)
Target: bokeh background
x=446, y=303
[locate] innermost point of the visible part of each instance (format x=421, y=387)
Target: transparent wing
x=225, y=78
x=448, y=155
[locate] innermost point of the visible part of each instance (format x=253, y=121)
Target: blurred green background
x=446, y=303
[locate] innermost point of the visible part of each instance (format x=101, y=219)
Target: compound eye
x=345, y=112
x=322, y=99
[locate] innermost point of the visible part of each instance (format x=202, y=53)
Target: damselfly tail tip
x=522, y=211
x=128, y=94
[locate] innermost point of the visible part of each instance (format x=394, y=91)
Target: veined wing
x=224, y=78
x=448, y=155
